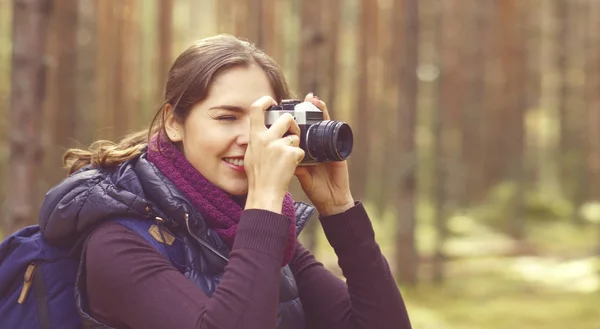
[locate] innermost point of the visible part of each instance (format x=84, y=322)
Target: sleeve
x=369, y=298
x=130, y=284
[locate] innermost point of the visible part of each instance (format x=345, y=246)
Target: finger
x=289, y=140
x=322, y=106
x=304, y=176
x=302, y=173
x=284, y=124
x=309, y=97
x=257, y=113
x=299, y=155
x=293, y=140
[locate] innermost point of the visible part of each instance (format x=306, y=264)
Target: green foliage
x=540, y=207
x=537, y=206
x=562, y=237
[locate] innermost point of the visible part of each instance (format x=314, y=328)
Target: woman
x=214, y=178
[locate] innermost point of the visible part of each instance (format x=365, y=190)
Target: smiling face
x=214, y=136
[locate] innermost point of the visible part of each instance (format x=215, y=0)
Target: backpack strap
x=41, y=299
x=158, y=237
x=142, y=227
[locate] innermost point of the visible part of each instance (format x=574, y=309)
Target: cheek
x=207, y=143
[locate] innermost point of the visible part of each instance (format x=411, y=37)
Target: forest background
x=477, y=126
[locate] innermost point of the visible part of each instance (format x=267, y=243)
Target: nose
x=243, y=138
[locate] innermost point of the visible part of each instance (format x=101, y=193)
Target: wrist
x=329, y=210
x=268, y=200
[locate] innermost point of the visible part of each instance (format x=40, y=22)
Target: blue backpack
x=37, y=280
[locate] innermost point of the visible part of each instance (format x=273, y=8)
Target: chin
x=237, y=190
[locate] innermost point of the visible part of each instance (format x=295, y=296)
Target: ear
x=172, y=126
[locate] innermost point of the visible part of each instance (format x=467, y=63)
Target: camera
x=321, y=140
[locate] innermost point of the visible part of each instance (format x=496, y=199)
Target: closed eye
x=226, y=118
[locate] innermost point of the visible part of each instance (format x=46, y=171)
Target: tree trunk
x=105, y=74
x=224, y=16
x=578, y=105
x=593, y=98
x=496, y=106
x=61, y=106
x=86, y=78
x=394, y=164
x=126, y=84
x=533, y=86
x=358, y=164
x=547, y=163
x=566, y=146
x=269, y=32
x=472, y=150
x=30, y=23
x=448, y=106
x=406, y=250
x=514, y=61
x=165, y=40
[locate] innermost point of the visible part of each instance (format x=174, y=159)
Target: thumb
x=303, y=175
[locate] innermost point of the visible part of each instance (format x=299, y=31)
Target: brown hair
x=188, y=83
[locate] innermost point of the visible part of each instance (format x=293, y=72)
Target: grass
x=496, y=300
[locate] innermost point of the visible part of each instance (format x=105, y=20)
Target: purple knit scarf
x=219, y=210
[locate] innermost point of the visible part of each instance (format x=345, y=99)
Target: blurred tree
x=126, y=110
x=406, y=259
x=533, y=88
x=473, y=125
x=247, y=21
x=566, y=131
x=578, y=108
x=593, y=97
x=390, y=109
x=383, y=111
x=224, y=15
x=514, y=63
x=61, y=113
x=546, y=133
x=269, y=31
x=86, y=75
x=443, y=121
x=30, y=23
x=104, y=70
x=165, y=40
x=493, y=120
x=117, y=93
x=366, y=52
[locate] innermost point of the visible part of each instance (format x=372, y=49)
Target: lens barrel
x=329, y=140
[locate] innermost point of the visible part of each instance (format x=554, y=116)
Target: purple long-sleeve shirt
x=131, y=285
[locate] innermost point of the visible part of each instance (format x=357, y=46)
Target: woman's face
x=215, y=134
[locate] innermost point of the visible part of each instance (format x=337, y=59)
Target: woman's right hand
x=271, y=158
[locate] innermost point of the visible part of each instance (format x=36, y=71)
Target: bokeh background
x=476, y=122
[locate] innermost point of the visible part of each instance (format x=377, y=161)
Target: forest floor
x=551, y=281
x=508, y=293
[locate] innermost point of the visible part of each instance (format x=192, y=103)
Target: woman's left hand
x=326, y=184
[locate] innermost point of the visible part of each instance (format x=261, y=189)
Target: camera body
x=321, y=140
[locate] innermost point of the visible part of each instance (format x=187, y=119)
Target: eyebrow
x=232, y=108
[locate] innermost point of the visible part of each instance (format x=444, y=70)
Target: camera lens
x=329, y=141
